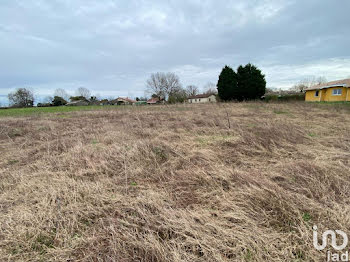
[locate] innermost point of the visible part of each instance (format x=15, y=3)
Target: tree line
x=164, y=86
x=167, y=87
x=24, y=97
x=245, y=84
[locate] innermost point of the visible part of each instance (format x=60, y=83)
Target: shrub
x=285, y=97
x=58, y=101
x=22, y=97
x=44, y=104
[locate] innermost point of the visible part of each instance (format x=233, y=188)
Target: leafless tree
x=163, y=84
x=98, y=96
x=210, y=88
x=82, y=91
x=271, y=90
x=192, y=90
x=321, y=80
x=22, y=97
x=61, y=93
x=47, y=99
x=308, y=82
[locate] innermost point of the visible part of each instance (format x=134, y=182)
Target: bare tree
x=22, y=97
x=61, y=93
x=163, y=84
x=98, y=96
x=271, y=90
x=308, y=82
x=155, y=85
x=210, y=88
x=47, y=99
x=192, y=90
x=299, y=87
x=84, y=92
x=321, y=80
x=177, y=95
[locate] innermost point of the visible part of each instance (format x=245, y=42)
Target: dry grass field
x=215, y=182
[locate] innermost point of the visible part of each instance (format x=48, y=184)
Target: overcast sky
x=111, y=47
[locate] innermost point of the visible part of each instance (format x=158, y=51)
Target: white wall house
x=204, y=98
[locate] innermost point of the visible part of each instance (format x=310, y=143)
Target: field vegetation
x=211, y=182
x=32, y=111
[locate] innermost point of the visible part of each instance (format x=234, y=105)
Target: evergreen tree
x=78, y=98
x=227, y=83
x=58, y=101
x=242, y=84
x=251, y=83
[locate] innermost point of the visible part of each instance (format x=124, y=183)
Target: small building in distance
x=202, y=98
x=123, y=101
x=155, y=100
x=332, y=91
x=78, y=103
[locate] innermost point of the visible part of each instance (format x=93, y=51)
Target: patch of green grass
x=202, y=141
x=311, y=134
x=182, y=108
x=43, y=128
x=18, y=112
x=133, y=183
x=337, y=105
x=255, y=106
x=209, y=139
x=16, y=250
x=15, y=132
x=63, y=116
x=160, y=153
x=334, y=102
x=94, y=142
x=252, y=125
x=279, y=112
x=248, y=256
x=12, y=161
x=299, y=255
x=306, y=217
x=76, y=235
x=42, y=242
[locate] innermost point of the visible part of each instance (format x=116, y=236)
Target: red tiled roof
x=153, y=100
x=343, y=82
x=126, y=99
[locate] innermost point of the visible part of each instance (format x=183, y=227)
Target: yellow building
x=332, y=91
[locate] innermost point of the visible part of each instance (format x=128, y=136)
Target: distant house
x=78, y=103
x=123, y=101
x=104, y=102
x=332, y=91
x=155, y=100
x=203, y=98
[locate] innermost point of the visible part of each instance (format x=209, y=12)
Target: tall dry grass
x=174, y=183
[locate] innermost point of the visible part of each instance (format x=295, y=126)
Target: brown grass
x=174, y=183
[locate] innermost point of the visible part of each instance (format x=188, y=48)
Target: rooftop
x=343, y=83
x=201, y=96
x=126, y=99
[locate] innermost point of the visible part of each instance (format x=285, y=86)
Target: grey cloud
x=111, y=47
